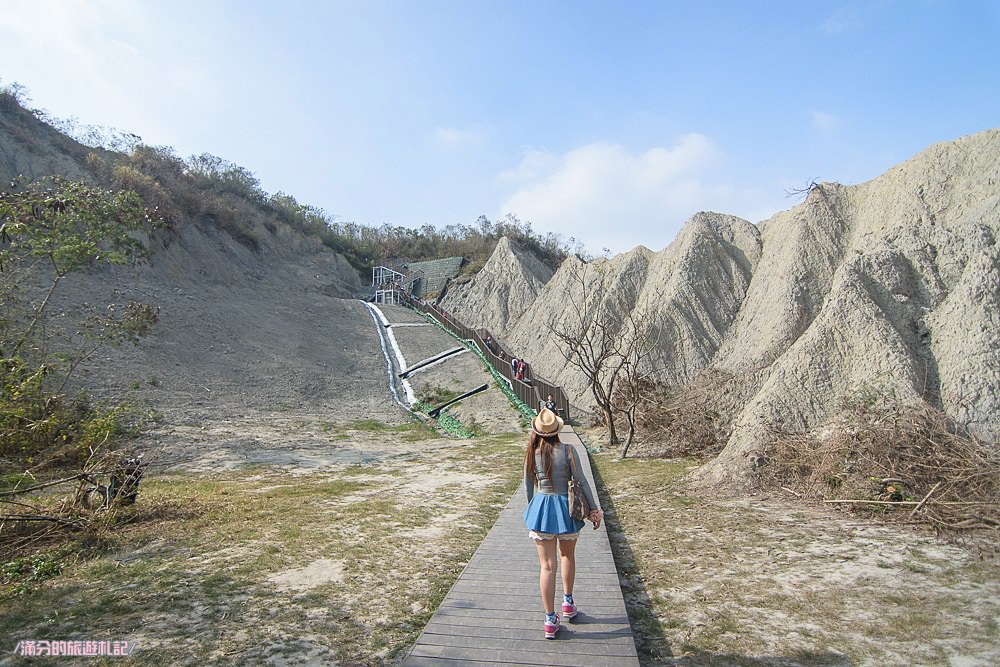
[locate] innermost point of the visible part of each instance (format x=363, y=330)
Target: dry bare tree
x=600, y=334
x=636, y=377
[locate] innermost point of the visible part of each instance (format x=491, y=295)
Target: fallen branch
x=69, y=523
x=86, y=476
x=17, y=492
x=921, y=503
x=19, y=504
x=940, y=473
x=914, y=502
x=873, y=502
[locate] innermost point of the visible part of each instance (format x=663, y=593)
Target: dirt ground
x=292, y=512
x=772, y=580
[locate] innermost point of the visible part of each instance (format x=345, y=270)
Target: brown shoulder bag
x=579, y=508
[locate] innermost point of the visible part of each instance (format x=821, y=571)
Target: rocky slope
x=242, y=332
x=890, y=286
x=501, y=291
x=238, y=330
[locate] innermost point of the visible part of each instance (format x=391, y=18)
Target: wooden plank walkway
x=493, y=614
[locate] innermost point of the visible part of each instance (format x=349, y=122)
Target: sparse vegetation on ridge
x=231, y=197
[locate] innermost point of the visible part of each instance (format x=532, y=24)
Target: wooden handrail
x=532, y=392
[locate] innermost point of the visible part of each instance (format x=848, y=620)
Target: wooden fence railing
x=532, y=389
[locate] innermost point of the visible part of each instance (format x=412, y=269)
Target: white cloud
x=450, y=135
x=458, y=138
x=534, y=165
x=847, y=20
x=606, y=196
x=824, y=121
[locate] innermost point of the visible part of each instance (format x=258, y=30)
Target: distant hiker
x=547, y=468
x=489, y=343
x=551, y=405
x=520, y=369
x=513, y=366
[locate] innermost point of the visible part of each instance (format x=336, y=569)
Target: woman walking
x=548, y=465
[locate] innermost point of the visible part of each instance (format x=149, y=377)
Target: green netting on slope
x=501, y=381
x=445, y=421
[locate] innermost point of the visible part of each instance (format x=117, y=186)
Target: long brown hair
x=546, y=442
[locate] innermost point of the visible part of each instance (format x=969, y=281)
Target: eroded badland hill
x=891, y=286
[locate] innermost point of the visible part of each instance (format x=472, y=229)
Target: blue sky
x=611, y=123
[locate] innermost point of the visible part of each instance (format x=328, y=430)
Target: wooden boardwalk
x=493, y=615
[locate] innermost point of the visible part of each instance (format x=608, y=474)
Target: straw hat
x=546, y=423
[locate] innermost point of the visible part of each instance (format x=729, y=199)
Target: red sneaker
x=569, y=610
x=551, y=628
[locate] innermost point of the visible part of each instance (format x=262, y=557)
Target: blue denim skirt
x=549, y=513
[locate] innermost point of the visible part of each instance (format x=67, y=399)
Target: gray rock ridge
x=685, y=296
x=891, y=285
x=578, y=290
x=501, y=291
x=898, y=293
x=696, y=288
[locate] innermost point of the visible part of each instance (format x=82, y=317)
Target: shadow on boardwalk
x=805, y=659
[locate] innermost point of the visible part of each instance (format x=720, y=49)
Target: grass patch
x=412, y=431
x=436, y=395
x=266, y=566
x=369, y=425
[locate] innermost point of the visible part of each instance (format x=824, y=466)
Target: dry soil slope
x=241, y=331
x=893, y=285
x=501, y=291
x=694, y=291
x=685, y=297
x=418, y=340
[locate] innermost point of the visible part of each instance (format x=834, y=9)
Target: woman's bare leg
x=547, y=575
x=568, y=550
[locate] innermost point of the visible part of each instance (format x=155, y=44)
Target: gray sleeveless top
x=558, y=485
